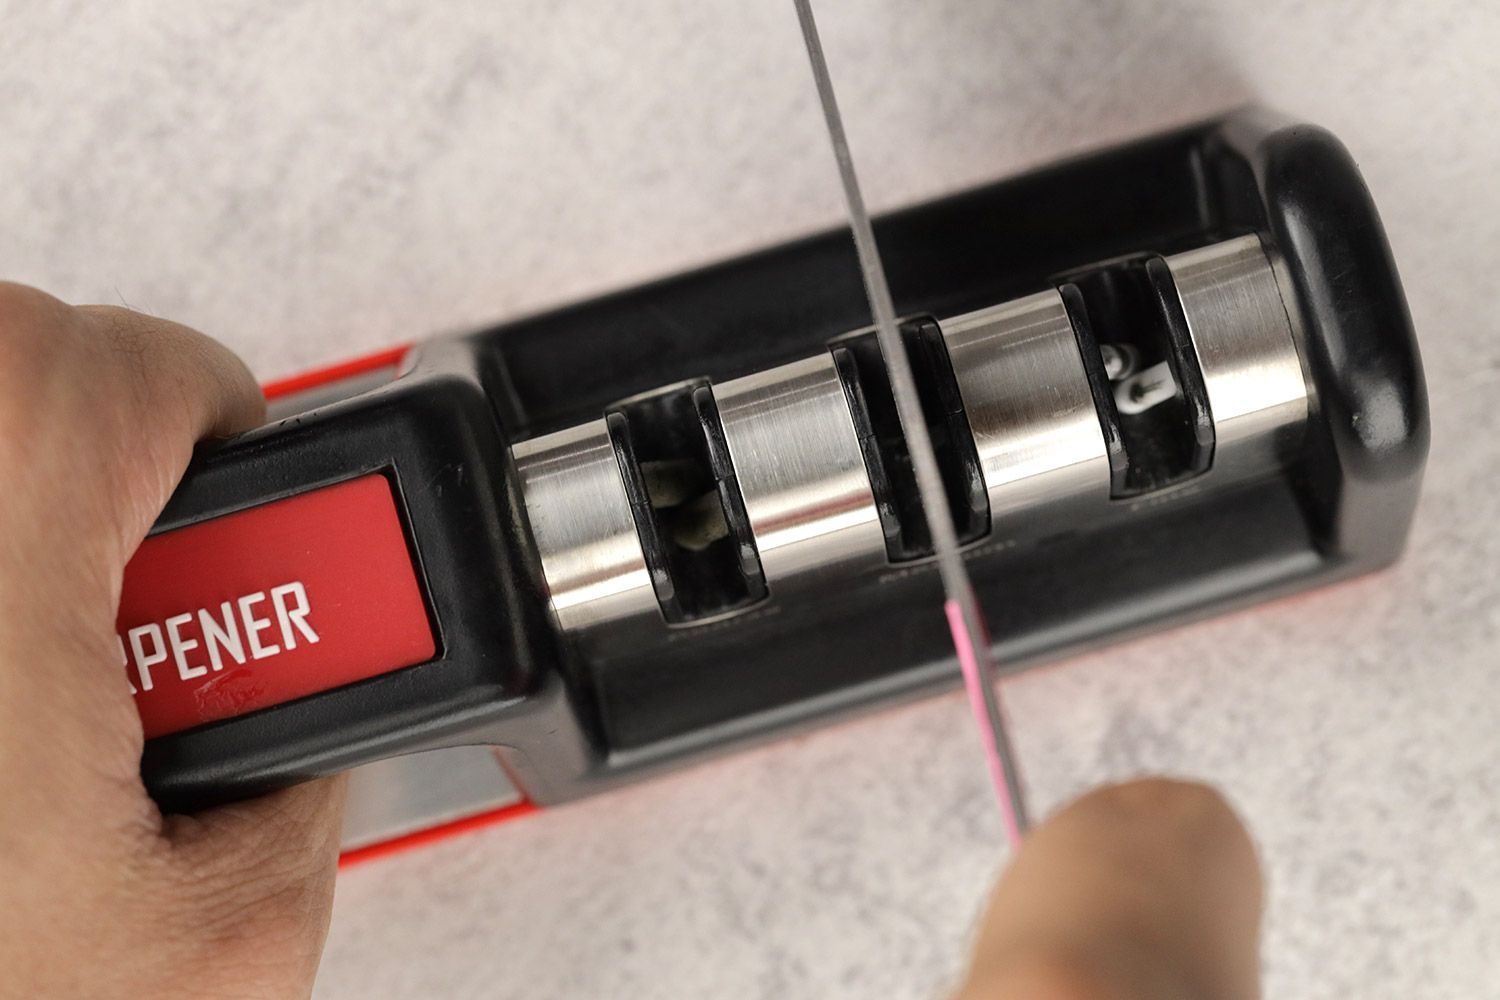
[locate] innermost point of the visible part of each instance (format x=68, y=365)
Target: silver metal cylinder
x=807, y=493
x=1242, y=333
x=801, y=472
x=583, y=527
x=1029, y=406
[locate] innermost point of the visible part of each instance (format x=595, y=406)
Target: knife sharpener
x=1163, y=380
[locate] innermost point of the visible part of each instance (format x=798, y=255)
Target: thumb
x=1143, y=891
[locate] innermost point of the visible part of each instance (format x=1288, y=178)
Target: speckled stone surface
x=311, y=180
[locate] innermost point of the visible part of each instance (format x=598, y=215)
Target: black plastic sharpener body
x=1166, y=379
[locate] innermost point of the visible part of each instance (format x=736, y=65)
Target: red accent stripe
x=440, y=832
x=390, y=358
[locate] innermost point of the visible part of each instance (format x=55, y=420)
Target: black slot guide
x=1143, y=372
x=686, y=502
x=867, y=386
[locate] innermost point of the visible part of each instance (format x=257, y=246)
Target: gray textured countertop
x=311, y=180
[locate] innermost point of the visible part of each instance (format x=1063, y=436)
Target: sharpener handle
x=346, y=584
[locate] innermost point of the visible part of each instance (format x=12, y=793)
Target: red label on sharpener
x=269, y=604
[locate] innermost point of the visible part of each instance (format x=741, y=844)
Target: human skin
x=1148, y=890
x=104, y=897
x=1145, y=890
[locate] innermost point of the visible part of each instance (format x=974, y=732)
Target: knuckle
x=38, y=345
x=32, y=325
x=21, y=306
